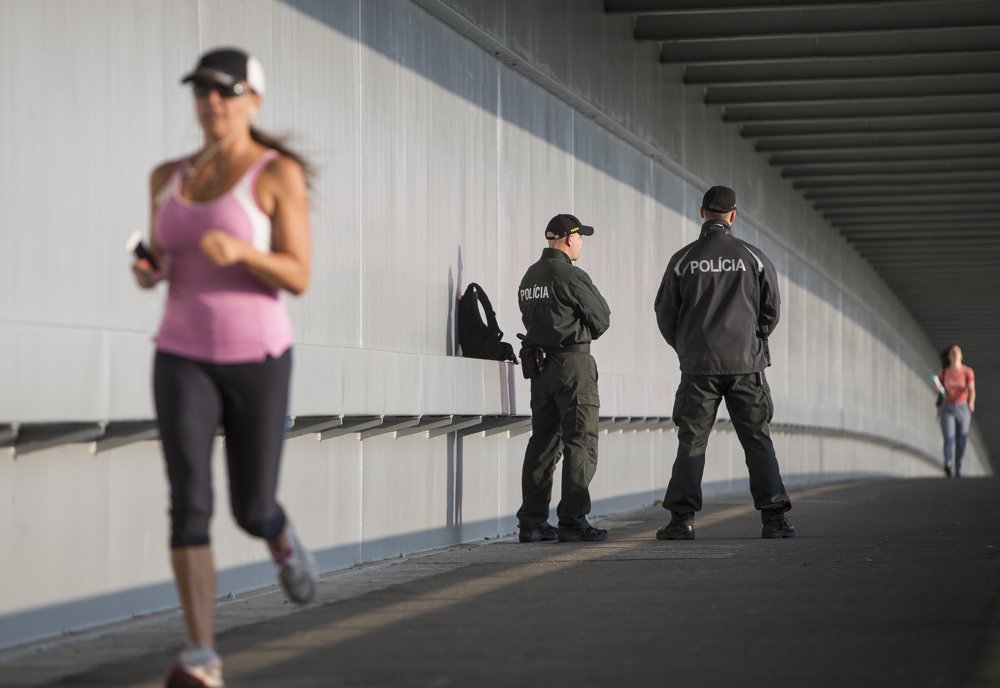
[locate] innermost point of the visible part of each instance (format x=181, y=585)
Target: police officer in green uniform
x=562, y=311
x=716, y=306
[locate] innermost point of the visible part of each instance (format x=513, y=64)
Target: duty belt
x=570, y=348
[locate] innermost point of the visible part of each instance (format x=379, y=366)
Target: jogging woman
x=230, y=233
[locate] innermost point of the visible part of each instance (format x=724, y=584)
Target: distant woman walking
x=230, y=233
x=958, y=384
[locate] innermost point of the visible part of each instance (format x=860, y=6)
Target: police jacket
x=718, y=303
x=559, y=304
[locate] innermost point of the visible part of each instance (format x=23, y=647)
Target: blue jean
x=955, y=421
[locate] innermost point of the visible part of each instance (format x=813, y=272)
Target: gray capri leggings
x=249, y=401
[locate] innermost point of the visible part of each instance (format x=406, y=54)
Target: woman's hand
x=223, y=249
x=145, y=276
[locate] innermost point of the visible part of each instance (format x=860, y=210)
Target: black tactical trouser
x=564, y=419
x=748, y=399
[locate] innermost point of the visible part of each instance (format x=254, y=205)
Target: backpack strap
x=491, y=316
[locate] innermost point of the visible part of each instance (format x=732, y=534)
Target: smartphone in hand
x=135, y=246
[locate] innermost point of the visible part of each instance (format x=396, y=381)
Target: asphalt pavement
x=888, y=583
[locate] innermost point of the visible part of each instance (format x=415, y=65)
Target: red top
x=956, y=383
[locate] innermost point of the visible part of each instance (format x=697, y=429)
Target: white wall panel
x=51, y=372
x=428, y=176
x=535, y=151
x=668, y=217
x=418, y=516
x=313, y=95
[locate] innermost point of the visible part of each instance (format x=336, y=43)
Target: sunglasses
x=203, y=88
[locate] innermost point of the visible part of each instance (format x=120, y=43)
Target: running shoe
x=197, y=666
x=297, y=569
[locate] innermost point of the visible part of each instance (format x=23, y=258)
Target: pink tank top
x=215, y=314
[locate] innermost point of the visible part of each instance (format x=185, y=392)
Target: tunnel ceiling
x=885, y=115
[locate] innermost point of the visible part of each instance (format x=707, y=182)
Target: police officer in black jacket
x=562, y=312
x=716, y=306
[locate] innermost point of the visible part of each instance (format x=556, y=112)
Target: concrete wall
x=439, y=165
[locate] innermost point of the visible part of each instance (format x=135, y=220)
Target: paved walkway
x=890, y=583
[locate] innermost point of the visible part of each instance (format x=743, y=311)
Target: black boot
x=777, y=528
x=543, y=532
x=681, y=527
x=584, y=533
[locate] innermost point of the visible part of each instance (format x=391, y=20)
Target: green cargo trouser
x=564, y=419
x=748, y=399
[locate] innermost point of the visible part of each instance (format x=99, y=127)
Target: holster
x=533, y=361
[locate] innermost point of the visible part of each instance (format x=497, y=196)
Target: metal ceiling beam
x=939, y=263
x=957, y=234
x=914, y=237
x=951, y=224
x=836, y=68
x=902, y=251
x=981, y=36
x=872, y=87
x=949, y=212
x=904, y=199
x=944, y=224
x=938, y=245
x=950, y=308
x=935, y=269
x=816, y=19
x=862, y=181
x=862, y=107
x=879, y=191
x=887, y=154
x=894, y=167
x=898, y=122
x=909, y=139
x=638, y=7
x=980, y=337
x=945, y=304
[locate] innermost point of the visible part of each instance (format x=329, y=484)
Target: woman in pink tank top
x=230, y=234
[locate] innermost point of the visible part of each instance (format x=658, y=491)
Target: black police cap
x=564, y=225
x=719, y=199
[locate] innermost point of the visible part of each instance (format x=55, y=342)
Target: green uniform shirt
x=559, y=304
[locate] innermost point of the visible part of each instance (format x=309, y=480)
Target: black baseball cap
x=564, y=225
x=719, y=199
x=228, y=66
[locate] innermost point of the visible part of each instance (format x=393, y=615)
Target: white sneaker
x=297, y=569
x=197, y=666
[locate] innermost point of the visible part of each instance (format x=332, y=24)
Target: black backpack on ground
x=480, y=339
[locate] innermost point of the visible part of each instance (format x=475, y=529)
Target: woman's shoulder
x=283, y=171
x=163, y=171
x=281, y=163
